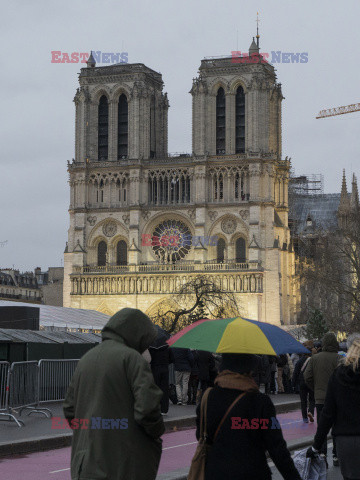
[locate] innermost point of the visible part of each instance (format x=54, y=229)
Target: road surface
x=178, y=449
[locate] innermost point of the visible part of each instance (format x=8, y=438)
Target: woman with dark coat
x=341, y=411
x=304, y=391
x=239, y=450
x=161, y=357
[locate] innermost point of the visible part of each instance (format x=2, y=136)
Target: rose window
x=171, y=241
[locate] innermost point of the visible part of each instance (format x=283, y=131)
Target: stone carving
x=91, y=220
x=109, y=229
x=126, y=219
x=192, y=214
x=244, y=214
x=145, y=214
x=228, y=225
x=213, y=215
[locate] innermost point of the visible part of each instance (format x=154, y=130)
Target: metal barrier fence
x=4, y=372
x=54, y=379
x=25, y=385
x=5, y=410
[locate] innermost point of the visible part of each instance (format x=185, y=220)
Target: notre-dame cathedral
x=125, y=187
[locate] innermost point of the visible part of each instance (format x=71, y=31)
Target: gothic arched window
x=220, y=250
x=240, y=251
x=221, y=187
x=103, y=128
x=220, y=122
x=121, y=253
x=102, y=250
x=122, y=127
x=240, y=120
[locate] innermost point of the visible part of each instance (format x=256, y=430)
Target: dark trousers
x=323, y=449
x=161, y=378
x=192, y=390
x=272, y=382
x=305, y=393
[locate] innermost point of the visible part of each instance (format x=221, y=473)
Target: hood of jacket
x=329, y=343
x=346, y=376
x=133, y=327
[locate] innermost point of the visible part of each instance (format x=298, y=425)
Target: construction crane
x=331, y=112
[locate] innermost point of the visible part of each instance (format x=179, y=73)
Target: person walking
x=113, y=392
x=183, y=362
x=273, y=370
x=161, y=357
x=194, y=379
x=306, y=394
x=265, y=377
x=317, y=374
x=341, y=412
x=238, y=449
x=281, y=362
x=207, y=372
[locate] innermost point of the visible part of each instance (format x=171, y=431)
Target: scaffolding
x=307, y=184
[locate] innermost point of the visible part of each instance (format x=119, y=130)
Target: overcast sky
x=37, y=112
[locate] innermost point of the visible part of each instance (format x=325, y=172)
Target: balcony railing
x=155, y=267
x=162, y=283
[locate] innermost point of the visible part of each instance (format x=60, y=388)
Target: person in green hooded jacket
x=113, y=405
x=317, y=374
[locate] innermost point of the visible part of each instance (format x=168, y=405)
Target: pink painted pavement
x=178, y=449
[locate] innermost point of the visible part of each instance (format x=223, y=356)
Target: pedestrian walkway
x=38, y=433
x=178, y=449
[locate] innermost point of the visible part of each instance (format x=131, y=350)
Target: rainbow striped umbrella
x=236, y=335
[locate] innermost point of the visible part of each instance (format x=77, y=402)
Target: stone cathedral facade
x=127, y=192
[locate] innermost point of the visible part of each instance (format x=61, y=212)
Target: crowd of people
x=127, y=377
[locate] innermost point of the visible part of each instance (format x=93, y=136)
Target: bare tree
x=200, y=297
x=331, y=265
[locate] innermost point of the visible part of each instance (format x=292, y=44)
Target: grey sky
x=37, y=112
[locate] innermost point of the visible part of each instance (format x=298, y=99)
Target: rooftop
x=64, y=318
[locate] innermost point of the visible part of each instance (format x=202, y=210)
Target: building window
x=173, y=241
x=221, y=187
x=102, y=251
x=121, y=253
x=240, y=251
x=220, y=250
x=240, y=120
x=152, y=128
x=122, y=127
x=103, y=128
x=220, y=122
x=169, y=187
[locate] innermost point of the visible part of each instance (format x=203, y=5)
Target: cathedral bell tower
x=236, y=106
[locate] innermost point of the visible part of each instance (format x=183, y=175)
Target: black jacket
x=342, y=406
x=184, y=359
x=206, y=364
x=161, y=356
x=265, y=375
x=298, y=375
x=240, y=454
x=281, y=361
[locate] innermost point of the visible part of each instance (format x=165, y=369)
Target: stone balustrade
x=158, y=283
x=185, y=266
